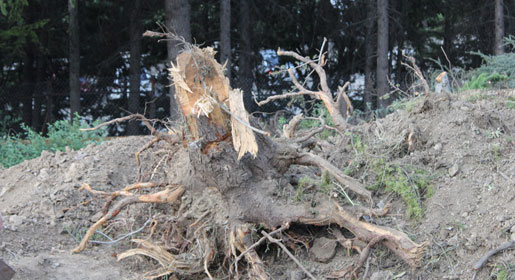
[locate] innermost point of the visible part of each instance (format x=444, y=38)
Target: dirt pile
x=465, y=143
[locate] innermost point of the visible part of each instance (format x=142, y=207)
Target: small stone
x=323, y=249
x=437, y=147
x=512, y=229
x=464, y=214
x=296, y=275
x=444, y=233
x=16, y=220
x=512, y=237
x=455, y=168
x=43, y=174
x=381, y=275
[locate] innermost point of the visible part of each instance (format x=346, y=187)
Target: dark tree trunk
x=225, y=36
x=369, y=53
x=28, y=86
x=178, y=22
x=38, y=92
x=245, y=59
x=499, y=28
x=448, y=32
x=403, y=9
x=135, y=31
x=382, y=53
x=74, y=56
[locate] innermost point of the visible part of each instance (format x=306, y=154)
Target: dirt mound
x=465, y=142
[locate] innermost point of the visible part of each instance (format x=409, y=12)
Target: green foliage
x=325, y=185
x=484, y=80
x=497, y=71
x=15, y=31
x=502, y=271
x=407, y=104
x=304, y=182
x=360, y=150
x=510, y=103
x=412, y=184
x=61, y=134
x=477, y=96
x=6, y=122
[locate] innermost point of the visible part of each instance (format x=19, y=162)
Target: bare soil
x=466, y=143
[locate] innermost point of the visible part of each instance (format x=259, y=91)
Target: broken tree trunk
x=234, y=161
x=248, y=184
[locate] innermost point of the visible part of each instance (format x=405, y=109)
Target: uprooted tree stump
x=245, y=169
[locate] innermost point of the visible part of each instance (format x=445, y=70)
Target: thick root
x=394, y=240
x=241, y=240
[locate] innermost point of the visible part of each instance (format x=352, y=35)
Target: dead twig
x=280, y=244
x=138, y=153
x=238, y=258
x=121, y=237
x=482, y=261
x=417, y=72
x=323, y=94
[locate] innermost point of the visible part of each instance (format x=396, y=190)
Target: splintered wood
x=243, y=139
x=203, y=92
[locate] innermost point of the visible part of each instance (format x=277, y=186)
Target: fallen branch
x=482, y=261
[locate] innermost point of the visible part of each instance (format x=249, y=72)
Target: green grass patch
x=14, y=149
x=412, y=184
x=477, y=96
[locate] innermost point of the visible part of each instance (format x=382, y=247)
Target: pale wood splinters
x=168, y=195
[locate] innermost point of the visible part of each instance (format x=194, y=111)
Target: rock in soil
x=323, y=249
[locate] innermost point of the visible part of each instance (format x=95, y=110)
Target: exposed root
x=168, y=195
x=394, y=240
x=147, y=146
x=240, y=239
x=349, y=182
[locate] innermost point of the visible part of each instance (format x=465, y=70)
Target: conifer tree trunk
x=382, y=53
x=499, y=28
x=369, y=53
x=135, y=33
x=225, y=36
x=178, y=22
x=74, y=56
x=245, y=59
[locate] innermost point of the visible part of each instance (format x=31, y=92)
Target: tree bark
x=135, y=33
x=382, y=53
x=245, y=59
x=499, y=28
x=447, y=35
x=225, y=36
x=369, y=53
x=28, y=86
x=74, y=57
x=178, y=22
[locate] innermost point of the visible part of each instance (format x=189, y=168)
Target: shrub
x=61, y=134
